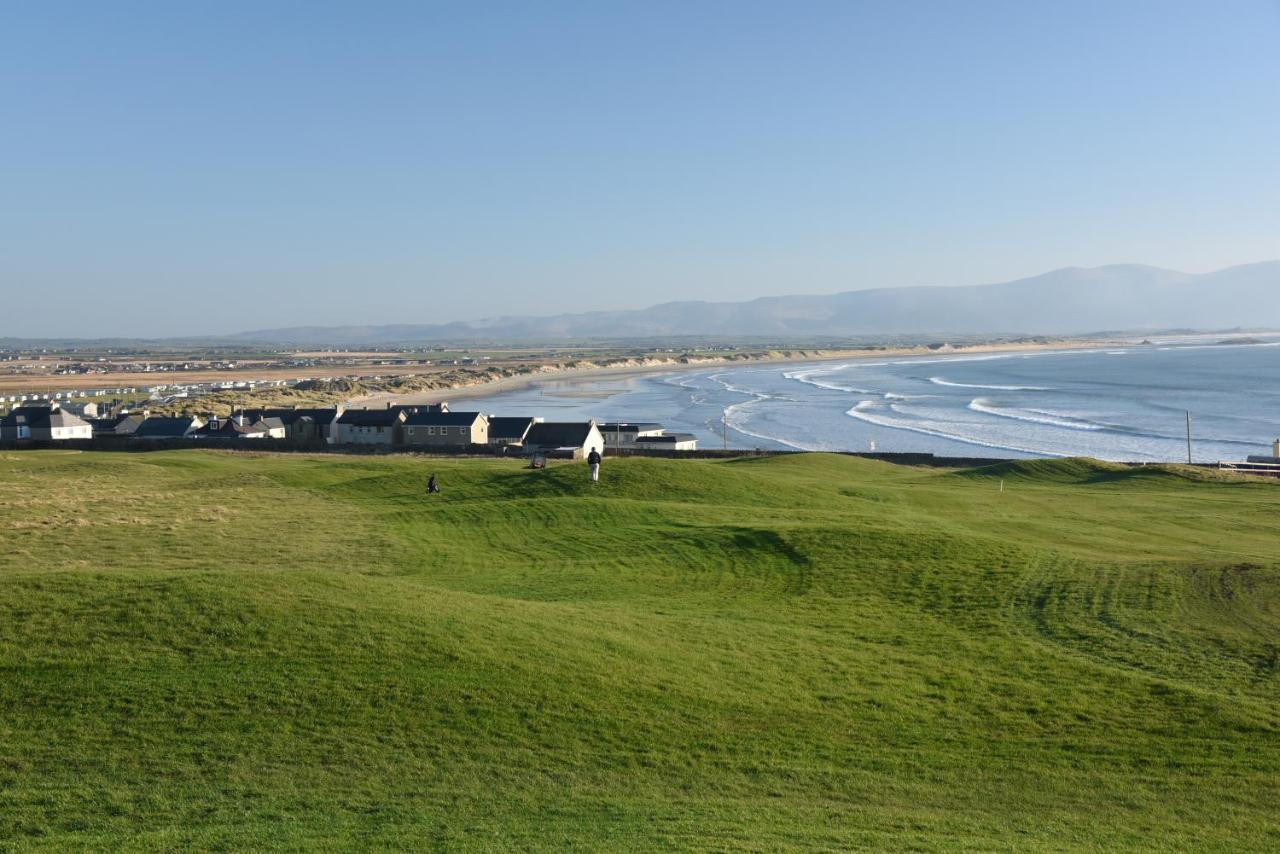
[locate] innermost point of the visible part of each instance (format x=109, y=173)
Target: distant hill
x=1063, y=302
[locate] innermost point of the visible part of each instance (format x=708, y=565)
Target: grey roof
x=228, y=428
x=268, y=424
x=59, y=418
x=164, y=427
x=509, y=428
x=289, y=417
x=623, y=427
x=123, y=425
x=559, y=434
x=425, y=418
x=373, y=417
x=669, y=437
x=32, y=416
x=41, y=417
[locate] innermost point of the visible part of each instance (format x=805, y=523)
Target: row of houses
x=392, y=426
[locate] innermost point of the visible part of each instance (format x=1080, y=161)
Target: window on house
x=431, y=431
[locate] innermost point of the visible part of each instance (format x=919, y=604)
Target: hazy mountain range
x=1074, y=300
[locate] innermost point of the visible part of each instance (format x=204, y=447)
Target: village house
x=159, y=427
x=43, y=424
x=667, y=442
x=427, y=428
x=509, y=431
x=622, y=435
x=573, y=439
x=371, y=426
x=85, y=409
x=241, y=427
x=124, y=424
x=302, y=425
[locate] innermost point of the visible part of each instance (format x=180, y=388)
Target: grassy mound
x=209, y=650
x=1083, y=470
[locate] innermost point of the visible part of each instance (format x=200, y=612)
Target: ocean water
x=1125, y=403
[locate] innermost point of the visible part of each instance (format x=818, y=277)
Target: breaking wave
x=950, y=384
x=864, y=411
x=1034, y=416
x=807, y=377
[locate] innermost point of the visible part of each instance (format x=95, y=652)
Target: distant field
x=212, y=650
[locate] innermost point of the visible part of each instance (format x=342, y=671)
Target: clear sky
x=180, y=168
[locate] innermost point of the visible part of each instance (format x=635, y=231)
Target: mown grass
x=225, y=651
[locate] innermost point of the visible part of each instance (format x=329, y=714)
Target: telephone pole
x=1188, y=437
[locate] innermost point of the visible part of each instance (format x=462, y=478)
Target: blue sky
x=184, y=168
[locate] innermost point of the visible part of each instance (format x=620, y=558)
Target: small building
x=43, y=424
x=370, y=426
x=622, y=435
x=88, y=409
x=426, y=428
x=303, y=425
x=158, y=427
x=241, y=427
x=272, y=428
x=508, y=430
x=668, y=442
x=227, y=428
x=573, y=439
x=125, y=424
x=1274, y=458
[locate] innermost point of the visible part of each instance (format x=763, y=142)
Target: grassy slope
x=214, y=650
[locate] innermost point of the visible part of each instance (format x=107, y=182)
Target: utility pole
x=1188, y=437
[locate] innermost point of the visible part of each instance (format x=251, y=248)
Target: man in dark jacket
x=593, y=462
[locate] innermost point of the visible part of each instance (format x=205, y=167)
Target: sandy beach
x=487, y=389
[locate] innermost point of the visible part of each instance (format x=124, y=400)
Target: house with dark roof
x=124, y=424
x=227, y=428
x=159, y=427
x=371, y=426
x=303, y=425
x=43, y=424
x=241, y=427
x=509, y=431
x=573, y=439
x=426, y=428
x=668, y=442
x=620, y=435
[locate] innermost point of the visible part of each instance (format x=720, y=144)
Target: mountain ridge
x=1069, y=300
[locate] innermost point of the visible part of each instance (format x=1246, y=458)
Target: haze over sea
x=1123, y=403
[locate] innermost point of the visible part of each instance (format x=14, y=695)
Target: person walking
x=593, y=463
x=432, y=486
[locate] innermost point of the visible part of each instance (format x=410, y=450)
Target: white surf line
x=734, y=424
x=945, y=382
x=860, y=412
x=731, y=422
x=1034, y=416
x=806, y=376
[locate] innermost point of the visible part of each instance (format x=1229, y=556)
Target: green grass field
x=226, y=651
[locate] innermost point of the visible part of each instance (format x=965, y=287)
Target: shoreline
x=586, y=373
